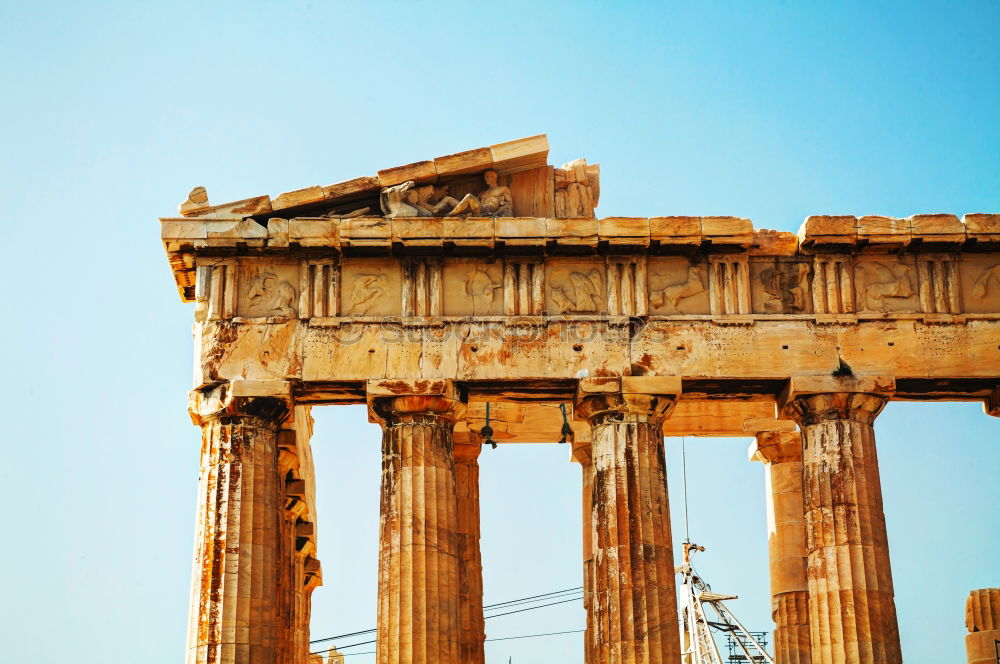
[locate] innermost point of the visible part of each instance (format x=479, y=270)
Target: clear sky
x=772, y=111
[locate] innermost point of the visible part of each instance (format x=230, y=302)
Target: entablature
x=234, y=274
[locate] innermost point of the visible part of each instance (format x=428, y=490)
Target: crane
x=698, y=644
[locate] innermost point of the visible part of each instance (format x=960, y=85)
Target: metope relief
x=677, y=286
x=988, y=283
x=267, y=290
x=885, y=285
x=980, y=283
x=779, y=287
x=370, y=288
x=472, y=288
x=575, y=288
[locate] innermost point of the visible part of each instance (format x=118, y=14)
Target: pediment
x=522, y=184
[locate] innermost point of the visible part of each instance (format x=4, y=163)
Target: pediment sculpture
x=409, y=200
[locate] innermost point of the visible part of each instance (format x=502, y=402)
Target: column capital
x=812, y=399
x=652, y=397
x=399, y=400
x=776, y=447
x=266, y=399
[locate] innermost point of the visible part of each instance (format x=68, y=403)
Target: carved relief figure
x=494, y=201
x=885, y=285
x=989, y=277
x=270, y=296
x=334, y=214
x=399, y=200
x=367, y=291
x=787, y=288
x=431, y=201
x=577, y=188
x=693, y=284
x=577, y=292
x=481, y=288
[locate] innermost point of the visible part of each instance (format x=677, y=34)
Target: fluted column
x=852, y=613
x=633, y=610
x=982, y=618
x=234, y=615
x=418, y=610
x=581, y=455
x=298, y=569
x=781, y=453
x=470, y=562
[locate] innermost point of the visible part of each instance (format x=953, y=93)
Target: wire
x=495, y=615
x=533, y=598
x=532, y=636
x=512, y=602
x=498, y=638
x=532, y=608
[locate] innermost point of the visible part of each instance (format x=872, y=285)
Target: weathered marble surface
x=640, y=327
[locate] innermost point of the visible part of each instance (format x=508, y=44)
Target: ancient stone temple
x=433, y=290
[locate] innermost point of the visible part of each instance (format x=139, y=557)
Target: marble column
x=982, y=618
x=234, y=615
x=852, y=613
x=298, y=570
x=470, y=562
x=418, y=579
x=781, y=453
x=581, y=454
x=633, y=606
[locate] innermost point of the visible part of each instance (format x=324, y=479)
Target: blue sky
x=771, y=111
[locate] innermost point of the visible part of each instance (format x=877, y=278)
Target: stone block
x=727, y=230
x=675, y=230
x=350, y=188
x=982, y=227
x=828, y=230
x=461, y=163
x=631, y=231
x=298, y=197
x=521, y=154
x=884, y=230
x=572, y=231
x=314, y=232
x=420, y=172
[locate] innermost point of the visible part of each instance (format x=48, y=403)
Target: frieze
x=979, y=283
x=678, y=286
x=576, y=287
x=937, y=285
x=886, y=284
x=780, y=286
x=370, y=288
x=473, y=288
x=267, y=289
